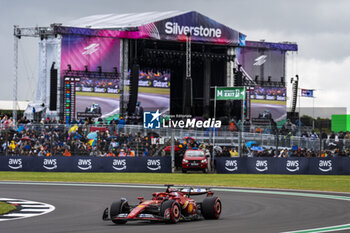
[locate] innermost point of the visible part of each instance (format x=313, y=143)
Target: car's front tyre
x=171, y=211
x=118, y=207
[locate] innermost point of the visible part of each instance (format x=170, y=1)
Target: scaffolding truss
x=40, y=32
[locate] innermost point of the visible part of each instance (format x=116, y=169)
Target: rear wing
x=195, y=191
x=189, y=190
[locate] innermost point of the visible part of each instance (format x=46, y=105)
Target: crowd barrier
x=317, y=166
x=85, y=164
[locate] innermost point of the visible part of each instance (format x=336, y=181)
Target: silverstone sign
x=230, y=93
x=176, y=29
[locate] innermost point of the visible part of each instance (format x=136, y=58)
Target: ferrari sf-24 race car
x=171, y=206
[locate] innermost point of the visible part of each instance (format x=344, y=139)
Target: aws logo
x=292, y=165
x=50, y=164
x=153, y=164
x=15, y=163
x=231, y=165
x=325, y=165
x=261, y=165
x=119, y=164
x=84, y=164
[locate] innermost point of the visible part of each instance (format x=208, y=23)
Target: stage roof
x=8, y=105
x=122, y=21
x=171, y=25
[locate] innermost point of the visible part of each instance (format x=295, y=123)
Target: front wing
x=124, y=216
x=146, y=217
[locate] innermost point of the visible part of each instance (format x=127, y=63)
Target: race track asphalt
x=79, y=209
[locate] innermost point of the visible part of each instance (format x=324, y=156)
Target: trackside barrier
x=85, y=164
x=318, y=166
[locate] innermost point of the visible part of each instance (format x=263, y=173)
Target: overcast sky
x=321, y=29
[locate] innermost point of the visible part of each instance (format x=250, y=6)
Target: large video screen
x=266, y=62
x=154, y=90
x=93, y=95
x=266, y=102
x=101, y=95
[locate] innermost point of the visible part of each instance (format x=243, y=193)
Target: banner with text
x=85, y=164
x=230, y=93
x=318, y=166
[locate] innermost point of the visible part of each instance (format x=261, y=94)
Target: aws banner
x=85, y=164
x=319, y=166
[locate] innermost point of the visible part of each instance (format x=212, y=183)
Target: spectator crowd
x=49, y=138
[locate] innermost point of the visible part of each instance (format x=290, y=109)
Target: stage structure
x=161, y=60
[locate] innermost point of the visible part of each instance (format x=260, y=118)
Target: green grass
x=275, y=102
x=93, y=94
x=305, y=182
x=154, y=90
x=5, y=208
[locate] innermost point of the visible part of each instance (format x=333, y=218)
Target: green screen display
x=340, y=123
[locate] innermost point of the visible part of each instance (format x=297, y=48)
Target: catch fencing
x=220, y=137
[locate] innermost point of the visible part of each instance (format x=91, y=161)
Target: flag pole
x=214, y=116
x=299, y=123
x=313, y=110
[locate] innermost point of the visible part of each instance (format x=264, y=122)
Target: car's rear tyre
x=184, y=171
x=211, y=208
x=171, y=209
x=118, y=207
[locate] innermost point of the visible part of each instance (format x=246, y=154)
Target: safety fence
x=55, y=134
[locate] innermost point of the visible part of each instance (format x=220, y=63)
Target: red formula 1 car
x=170, y=206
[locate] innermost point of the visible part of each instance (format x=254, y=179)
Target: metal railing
x=55, y=138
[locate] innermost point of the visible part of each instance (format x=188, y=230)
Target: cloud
x=323, y=45
x=329, y=78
